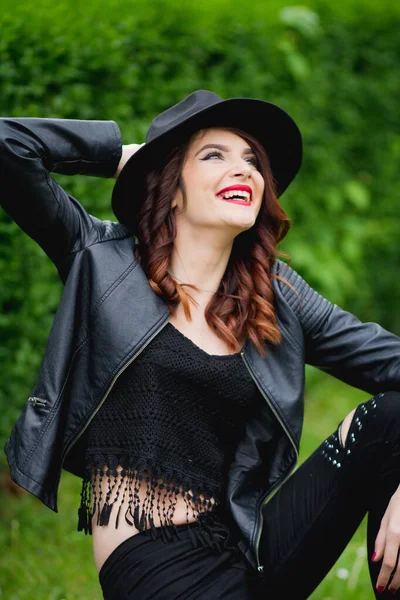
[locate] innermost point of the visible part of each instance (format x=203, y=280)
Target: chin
x=245, y=226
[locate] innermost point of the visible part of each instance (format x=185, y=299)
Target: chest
x=200, y=333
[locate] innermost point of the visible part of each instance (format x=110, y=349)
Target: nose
x=241, y=169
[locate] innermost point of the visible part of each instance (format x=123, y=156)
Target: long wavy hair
x=244, y=302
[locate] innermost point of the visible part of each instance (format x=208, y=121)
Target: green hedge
x=334, y=68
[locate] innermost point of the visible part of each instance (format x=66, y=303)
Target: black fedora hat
x=272, y=126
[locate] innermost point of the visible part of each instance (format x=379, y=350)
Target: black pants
x=307, y=525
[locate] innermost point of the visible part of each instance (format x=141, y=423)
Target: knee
x=344, y=428
x=389, y=406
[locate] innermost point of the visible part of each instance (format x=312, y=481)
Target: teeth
x=232, y=193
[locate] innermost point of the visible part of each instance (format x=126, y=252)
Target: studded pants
x=310, y=520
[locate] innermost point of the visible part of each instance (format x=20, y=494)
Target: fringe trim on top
x=208, y=530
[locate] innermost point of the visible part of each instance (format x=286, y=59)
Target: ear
x=178, y=198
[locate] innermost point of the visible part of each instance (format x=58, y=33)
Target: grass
x=45, y=558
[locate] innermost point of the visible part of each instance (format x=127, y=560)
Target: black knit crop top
x=171, y=424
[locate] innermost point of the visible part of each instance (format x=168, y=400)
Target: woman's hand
x=387, y=545
x=127, y=152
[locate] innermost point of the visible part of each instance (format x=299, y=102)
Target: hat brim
x=269, y=124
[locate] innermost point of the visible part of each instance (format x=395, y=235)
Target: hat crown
x=173, y=116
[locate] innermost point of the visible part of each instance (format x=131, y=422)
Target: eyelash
x=253, y=160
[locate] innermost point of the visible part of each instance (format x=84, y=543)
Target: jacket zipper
x=264, y=500
x=109, y=390
x=269, y=494
x=34, y=400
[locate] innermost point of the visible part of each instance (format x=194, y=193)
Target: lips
x=238, y=187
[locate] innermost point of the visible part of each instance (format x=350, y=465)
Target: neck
x=199, y=262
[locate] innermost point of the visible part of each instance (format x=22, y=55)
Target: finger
x=394, y=585
x=379, y=547
x=389, y=563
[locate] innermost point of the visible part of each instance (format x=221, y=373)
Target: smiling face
x=222, y=185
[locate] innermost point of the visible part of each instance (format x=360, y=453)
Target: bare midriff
x=106, y=537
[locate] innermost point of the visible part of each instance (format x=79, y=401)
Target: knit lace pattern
x=170, y=426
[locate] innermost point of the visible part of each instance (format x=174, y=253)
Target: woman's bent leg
x=310, y=520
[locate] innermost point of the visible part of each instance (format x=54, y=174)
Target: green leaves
x=357, y=194
x=301, y=19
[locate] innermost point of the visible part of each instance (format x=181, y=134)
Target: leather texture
x=108, y=313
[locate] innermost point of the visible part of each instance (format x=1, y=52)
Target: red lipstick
x=237, y=186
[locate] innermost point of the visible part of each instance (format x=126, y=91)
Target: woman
x=173, y=378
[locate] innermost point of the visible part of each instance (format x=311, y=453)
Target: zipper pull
x=34, y=400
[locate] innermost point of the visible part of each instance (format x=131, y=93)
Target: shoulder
x=293, y=291
x=285, y=280
x=111, y=230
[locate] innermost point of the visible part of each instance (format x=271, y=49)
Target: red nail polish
x=380, y=589
x=373, y=556
x=392, y=591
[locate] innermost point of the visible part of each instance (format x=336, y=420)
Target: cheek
x=260, y=185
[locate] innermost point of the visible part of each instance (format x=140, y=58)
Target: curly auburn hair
x=244, y=302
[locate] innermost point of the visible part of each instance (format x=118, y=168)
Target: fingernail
x=380, y=589
x=373, y=556
x=392, y=591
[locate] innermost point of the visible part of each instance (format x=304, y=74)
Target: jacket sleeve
x=30, y=149
x=364, y=355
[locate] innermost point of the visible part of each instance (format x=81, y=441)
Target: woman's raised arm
x=30, y=149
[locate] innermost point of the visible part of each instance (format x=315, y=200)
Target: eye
x=212, y=154
x=252, y=159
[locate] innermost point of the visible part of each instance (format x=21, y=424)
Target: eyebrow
x=223, y=148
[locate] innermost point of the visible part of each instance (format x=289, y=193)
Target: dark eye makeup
x=252, y=159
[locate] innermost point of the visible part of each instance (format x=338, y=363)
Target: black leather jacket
x=108, y=314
